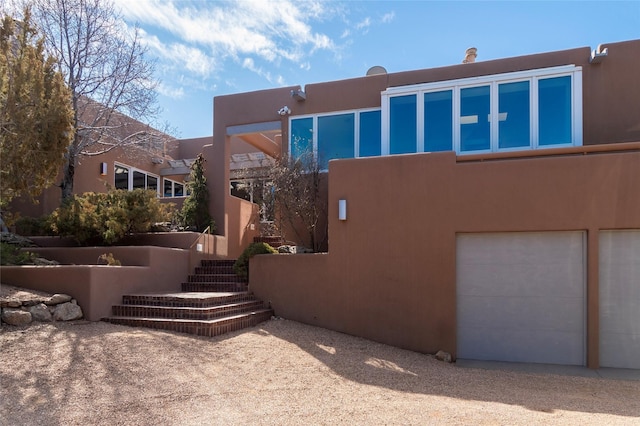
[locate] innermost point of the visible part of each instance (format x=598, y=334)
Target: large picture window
x=504, y=112
x=343, y=134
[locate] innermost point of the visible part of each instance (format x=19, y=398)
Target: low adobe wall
x=98, y=287
x=390, y=273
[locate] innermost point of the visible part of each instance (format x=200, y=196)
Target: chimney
x=470, y=55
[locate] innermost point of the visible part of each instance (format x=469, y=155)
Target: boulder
x=57, y=299
x=41, y=313
x=67, y=312
x=10, y=303
x=443, y=356
x=16, y=316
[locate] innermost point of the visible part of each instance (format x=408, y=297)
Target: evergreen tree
x=195, y=210
x=36, y=119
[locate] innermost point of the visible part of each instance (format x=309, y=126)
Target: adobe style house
x=489, y=209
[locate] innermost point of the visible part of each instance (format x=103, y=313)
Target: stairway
x=213, y=301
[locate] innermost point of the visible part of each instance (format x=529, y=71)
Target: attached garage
x=521, y=297
x=620, y=299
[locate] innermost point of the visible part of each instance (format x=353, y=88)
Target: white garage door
x=521, y=297
x=620, y=299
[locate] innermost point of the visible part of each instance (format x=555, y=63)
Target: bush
x=11, y=254
x=33, y=226
x=241, y=267
x=107, y=218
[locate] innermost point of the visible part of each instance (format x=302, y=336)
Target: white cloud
x=170, y=92
x=388, y=17
x=269, y=31
x=366, y=23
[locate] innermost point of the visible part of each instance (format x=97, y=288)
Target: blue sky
x=210, y=48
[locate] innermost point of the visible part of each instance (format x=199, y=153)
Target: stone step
x=188, y=299
x=217, y=263
x=214, y=287
x=209, y=328
x=214, y=270
x=215, y=278
x=171, y=312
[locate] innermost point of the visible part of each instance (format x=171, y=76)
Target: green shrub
x=33, y=226
x=108, y=259
x=11, y=254
x=241, y=266
x=106, y=218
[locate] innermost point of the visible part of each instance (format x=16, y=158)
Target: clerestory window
x=515, y=111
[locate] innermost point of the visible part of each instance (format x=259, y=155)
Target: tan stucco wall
x=610, y=94
x=98, y=287
x=390, y=274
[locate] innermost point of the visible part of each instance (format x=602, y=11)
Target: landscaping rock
x=10, y=303
x=41, y=261
x=67, y=312
x=57, y=299
x=16, y=316
x=443, y=356
x=41, y=313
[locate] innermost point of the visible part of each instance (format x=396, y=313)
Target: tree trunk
x=68, y=172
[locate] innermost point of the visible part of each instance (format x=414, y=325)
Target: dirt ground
x=278, y=373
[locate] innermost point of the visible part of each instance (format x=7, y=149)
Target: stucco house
x=490, y=209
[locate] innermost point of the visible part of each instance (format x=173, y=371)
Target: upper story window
x=129, y=178
x=172, y=188
x=344, y=134
x=503, y=112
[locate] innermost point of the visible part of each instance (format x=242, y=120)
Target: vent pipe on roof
x=470, y=55
x=598, y=55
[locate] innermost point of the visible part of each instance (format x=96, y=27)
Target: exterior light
x=298, y=95
x=103, y=169
x=342, y=209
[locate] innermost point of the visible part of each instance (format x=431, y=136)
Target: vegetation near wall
x=36, y=119
x=241, y=266
x=106, y=218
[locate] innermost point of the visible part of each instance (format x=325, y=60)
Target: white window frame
x=493, y=81
x=173, y=188
x=130, y=176
x=314, y=128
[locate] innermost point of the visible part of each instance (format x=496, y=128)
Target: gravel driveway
x=278, y=373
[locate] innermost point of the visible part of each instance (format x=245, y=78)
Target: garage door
x=521, y=297
x=620, y=299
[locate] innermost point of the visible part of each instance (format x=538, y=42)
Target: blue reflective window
x=475, y=129
x=554, y=111
x=370, y=137
x=402, y=124
x=301, y=137
x=514, y=115
x=336, y=138
x=438, y=121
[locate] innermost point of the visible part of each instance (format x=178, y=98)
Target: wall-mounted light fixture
x=284, y=110
x=298, y=95
x=598, y=55
x=342, y=209
x=103, y=169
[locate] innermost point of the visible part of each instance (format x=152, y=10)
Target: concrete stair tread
x=194, y=308
x=192, y=294
x=186, y=321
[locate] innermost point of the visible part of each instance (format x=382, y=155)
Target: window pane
x=370, y=137
x=152, y=183
x=554, y=110
x=178, y=189
x=438, y=121
x=121, y=177
x=138, y=180
x=402, y=124
x=168, y=188
x=475, y=130
x=301, y=137
x=514, y=117
x=336, y=138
